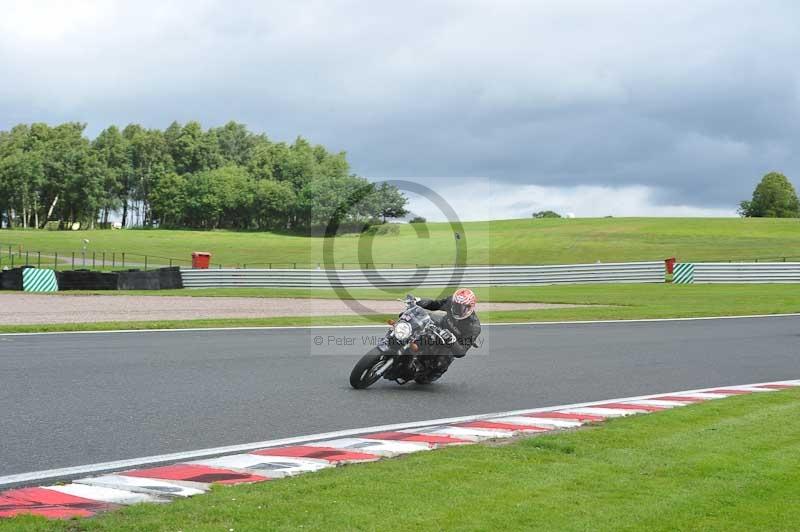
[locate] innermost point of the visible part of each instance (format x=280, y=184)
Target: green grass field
x=612, y=301
x=526, y=241
x=724, y=465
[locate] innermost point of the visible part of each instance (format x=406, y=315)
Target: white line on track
x=366, y=326
x=53, y=475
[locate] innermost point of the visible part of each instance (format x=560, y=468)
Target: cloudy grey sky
x=592, y=107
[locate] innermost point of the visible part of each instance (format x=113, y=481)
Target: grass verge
x=524, y=241
x=614, y=301
x=723, y=465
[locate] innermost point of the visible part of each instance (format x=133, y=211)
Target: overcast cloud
x=590, y=107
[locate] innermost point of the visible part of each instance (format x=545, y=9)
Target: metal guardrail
x=740, y=272
x=629, y=272
x=13, y=255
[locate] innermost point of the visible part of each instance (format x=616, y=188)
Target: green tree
x=203, y=206
x=774, y=197
x=13, y=172
x=183, y=176
x=73, y=173
x=222, y=197
x=128, y=177
x=195, y=150
x=299, y=164
x=114, y=153
x=265, y=160
x=329, y=201
x=168, y=200
x=171, y=135
x=235, y=143
x=273, y=202
x=22, y=174
x=150, y=161
x=546, y=214
x=389, y=202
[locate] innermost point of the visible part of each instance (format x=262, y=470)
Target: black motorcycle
x=409, y=351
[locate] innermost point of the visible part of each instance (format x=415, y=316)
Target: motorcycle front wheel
x=365, y=373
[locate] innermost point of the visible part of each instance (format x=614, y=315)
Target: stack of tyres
x=170, y=278
x=86, y=280
x=138, y=280
x=161, y=279
x=11, y=279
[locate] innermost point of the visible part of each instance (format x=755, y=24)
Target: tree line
x=181, y=177
x=773, y=197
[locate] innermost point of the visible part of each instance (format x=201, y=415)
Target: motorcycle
x=408, y=351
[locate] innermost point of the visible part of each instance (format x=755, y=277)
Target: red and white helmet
x=463, y=305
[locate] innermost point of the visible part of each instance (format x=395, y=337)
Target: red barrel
x=201, y=260
x=670, y=263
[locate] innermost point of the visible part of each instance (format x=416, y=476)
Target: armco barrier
x=629, y=272
x=747, y=272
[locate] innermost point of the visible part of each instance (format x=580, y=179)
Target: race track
x=73, y=399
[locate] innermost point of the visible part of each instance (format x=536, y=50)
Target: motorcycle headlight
x=402, y=330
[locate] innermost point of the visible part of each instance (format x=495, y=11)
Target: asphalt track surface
x=74, y=399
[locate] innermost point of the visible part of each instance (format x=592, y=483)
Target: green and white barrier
x=36, y=280
x=683, y=273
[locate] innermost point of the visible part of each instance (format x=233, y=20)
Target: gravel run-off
x=27, y=309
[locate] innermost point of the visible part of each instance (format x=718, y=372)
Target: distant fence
x=14, y=256
x=629, y=272
x=737, y=272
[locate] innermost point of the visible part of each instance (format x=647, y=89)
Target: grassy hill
x=525, y=241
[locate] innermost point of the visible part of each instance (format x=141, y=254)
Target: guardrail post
x=55, y=261
x=94, y=259
x=113, y=259
x=123, y=259
x=27, y=256
x=104, y=260
x=145, y=263
x=73, y=260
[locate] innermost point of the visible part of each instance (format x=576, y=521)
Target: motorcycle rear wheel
x=363, y=375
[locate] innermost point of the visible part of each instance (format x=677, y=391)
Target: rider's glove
x=448, y=337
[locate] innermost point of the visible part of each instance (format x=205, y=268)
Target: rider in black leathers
x=460, y=320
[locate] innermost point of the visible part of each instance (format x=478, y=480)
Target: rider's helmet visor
x=460, y=310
